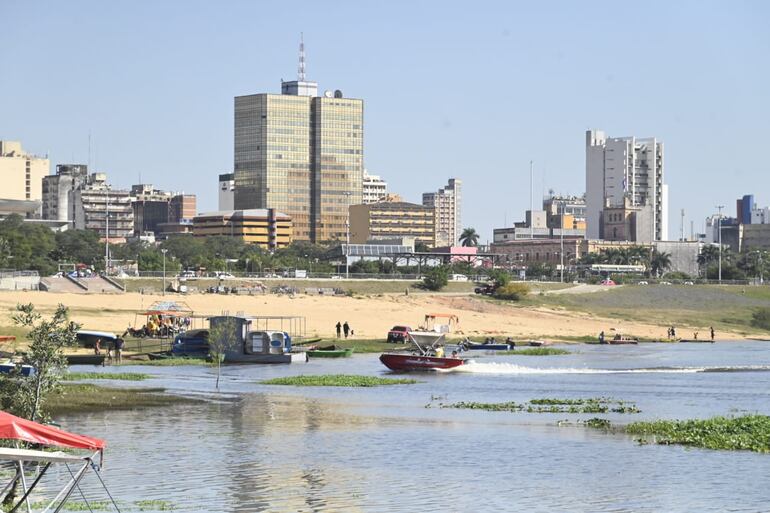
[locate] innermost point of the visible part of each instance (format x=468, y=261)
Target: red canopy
x=16, y=428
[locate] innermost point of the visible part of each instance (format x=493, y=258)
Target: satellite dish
x=338, y=93
x=327, y=94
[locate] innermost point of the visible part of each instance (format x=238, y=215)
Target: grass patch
x=368, y=345
x=168, y=362
x=122, y=376
x=747, y=433
x=549, y=405
x=338, y=380
x=78, y=398
x=536, y=351
x=154, y=505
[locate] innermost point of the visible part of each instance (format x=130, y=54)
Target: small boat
x=263, y=346
x=696, y=341
x=26, y=370
x=487, y=346
x=428, y=356
x=85, y=359
x=330, y=352
x=163, y=355
x=619, y=340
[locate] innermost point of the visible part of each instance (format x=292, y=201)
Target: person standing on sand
x=601, y=337
x=712, y=333
x=98, y=346
x=119, y=350
x=339, y=328
x=346, y=329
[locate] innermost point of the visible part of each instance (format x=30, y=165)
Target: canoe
x=696, y=341
x=85, y=359
x=330, y=353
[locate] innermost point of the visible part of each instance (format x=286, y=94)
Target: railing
x=9, y=273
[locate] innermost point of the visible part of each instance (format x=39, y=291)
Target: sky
x=472, y=90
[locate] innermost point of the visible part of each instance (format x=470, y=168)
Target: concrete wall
x=19, y=282
x=684, y=255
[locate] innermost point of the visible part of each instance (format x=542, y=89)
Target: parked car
x=487, y=289
x=689, y=283
x=187, y=274
x=336, y=277
x=398, y=334
x=458, y=277
x=224, y=276
x=608, y=282
x=191, y=343
x=665, y=283
x=643, y=283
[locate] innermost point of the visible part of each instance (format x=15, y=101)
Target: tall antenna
x=301, y=69
x=681, y=227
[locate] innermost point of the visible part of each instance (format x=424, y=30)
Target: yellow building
x=21, y=173
x=392, y=220
x=266, y=227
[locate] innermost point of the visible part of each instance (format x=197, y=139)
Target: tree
x=421, y=247
x=469, y=237
x=659, y=263
x=27, y=246
x=223, y=336
x=708, y=254
x=78, y=247
x=46, y=355
x=436, y=278
x=499, y=277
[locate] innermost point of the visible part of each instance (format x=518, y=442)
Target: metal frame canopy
x=23, y=430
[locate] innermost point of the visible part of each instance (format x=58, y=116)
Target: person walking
x=339, y=328
x=712, y=333
x=601, y=337
x=118, y=350
x=346, y=329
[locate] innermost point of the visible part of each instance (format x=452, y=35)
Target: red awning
x=16, y=428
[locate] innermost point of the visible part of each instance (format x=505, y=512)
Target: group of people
x=343, y=328
x=115, y=346
x=672, y=333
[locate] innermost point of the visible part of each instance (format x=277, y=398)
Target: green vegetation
x=78, y=398
x=598, y=423
x=761, y=318
x=154, y=505
x=436, y=278
x=536, y=351
x=549, y=405
x=169, y=362
x=469, y=237
x=120, y=376
x=747, y=433
x=514, y=291
x=337, y=380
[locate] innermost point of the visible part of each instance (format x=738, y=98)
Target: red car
x=608, y=282
x=398, y=334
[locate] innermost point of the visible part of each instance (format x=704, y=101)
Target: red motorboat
x=429, y=354
x=415, y=362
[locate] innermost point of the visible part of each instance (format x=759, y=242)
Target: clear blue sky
x=473, y=90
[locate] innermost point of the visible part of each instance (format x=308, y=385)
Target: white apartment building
x=21, y=173
x=59, y=191
x=625, y=167
x=447, y=204
x=226, y=192
x=375, y=188
x=95, y=203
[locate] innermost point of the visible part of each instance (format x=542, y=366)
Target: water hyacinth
x=337, y=380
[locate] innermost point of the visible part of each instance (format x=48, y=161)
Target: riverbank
x=637, y=311
x=85, y=397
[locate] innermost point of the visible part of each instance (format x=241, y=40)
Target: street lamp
x=347, y=236
x=164, y=251
x=561, y=231
x=719, y=225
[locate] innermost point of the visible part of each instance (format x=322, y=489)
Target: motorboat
x=485, y=346
x=428, y=354
x=332, y=351
x=24, y=370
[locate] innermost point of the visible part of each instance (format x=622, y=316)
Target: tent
x=22, y=430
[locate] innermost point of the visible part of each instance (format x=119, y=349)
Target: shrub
x=500, y=277
x=512, y=291
x=436, y=278
x=761, y=318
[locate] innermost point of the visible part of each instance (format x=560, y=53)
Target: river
x=254, y=447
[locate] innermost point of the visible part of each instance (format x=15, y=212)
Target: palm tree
x=708, y=254
x=469, y=237
x=659, y=262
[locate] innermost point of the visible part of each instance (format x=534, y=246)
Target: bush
x=500, y=277
x=512, y=291
x=436, y=278
x=761, y=319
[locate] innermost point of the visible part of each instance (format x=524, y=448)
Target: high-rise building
x=446, y=203
x=374, y=188
x=22, y=173
x=150, y=207
x=300, y=154
x=226, y=191
x=59, y=191
x=620, y=168
x=98, y=207
x=567, y=212
x=744, y=207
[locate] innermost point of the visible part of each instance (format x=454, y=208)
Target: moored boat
x=330, y=352
x=486, y=346
x=85, y=359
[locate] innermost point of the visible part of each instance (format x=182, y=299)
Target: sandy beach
x=369, y=316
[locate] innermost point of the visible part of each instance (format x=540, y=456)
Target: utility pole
x=107, y=234
x=531, y=201
x=164, y=270
x=719, y=220
x=347, y=238
x=563, y=205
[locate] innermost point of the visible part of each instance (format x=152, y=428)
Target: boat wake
x=512, y=368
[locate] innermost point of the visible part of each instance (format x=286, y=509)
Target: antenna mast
x=301, y=69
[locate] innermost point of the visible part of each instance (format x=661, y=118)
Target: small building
x=390, y=220
x=627, y=222
x=227, y=191
x=99, y=207
x=262, y=226
x=21, y=172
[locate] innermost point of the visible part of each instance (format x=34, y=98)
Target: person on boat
x=346, y=329
x=601, y=337
x=493, y=341
x=712, y=333
x=339, y=329
x=455, y=355
x=439, y=352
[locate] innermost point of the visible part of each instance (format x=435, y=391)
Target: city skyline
x=146, y=101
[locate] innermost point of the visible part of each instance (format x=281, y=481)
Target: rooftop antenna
x=301, y=69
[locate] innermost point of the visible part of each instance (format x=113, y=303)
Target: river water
x=254, y=447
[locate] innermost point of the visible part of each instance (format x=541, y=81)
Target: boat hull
x=489, y=347
x=267, y=358
x=330, y=353
x=85, y=359
x=412, y=362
